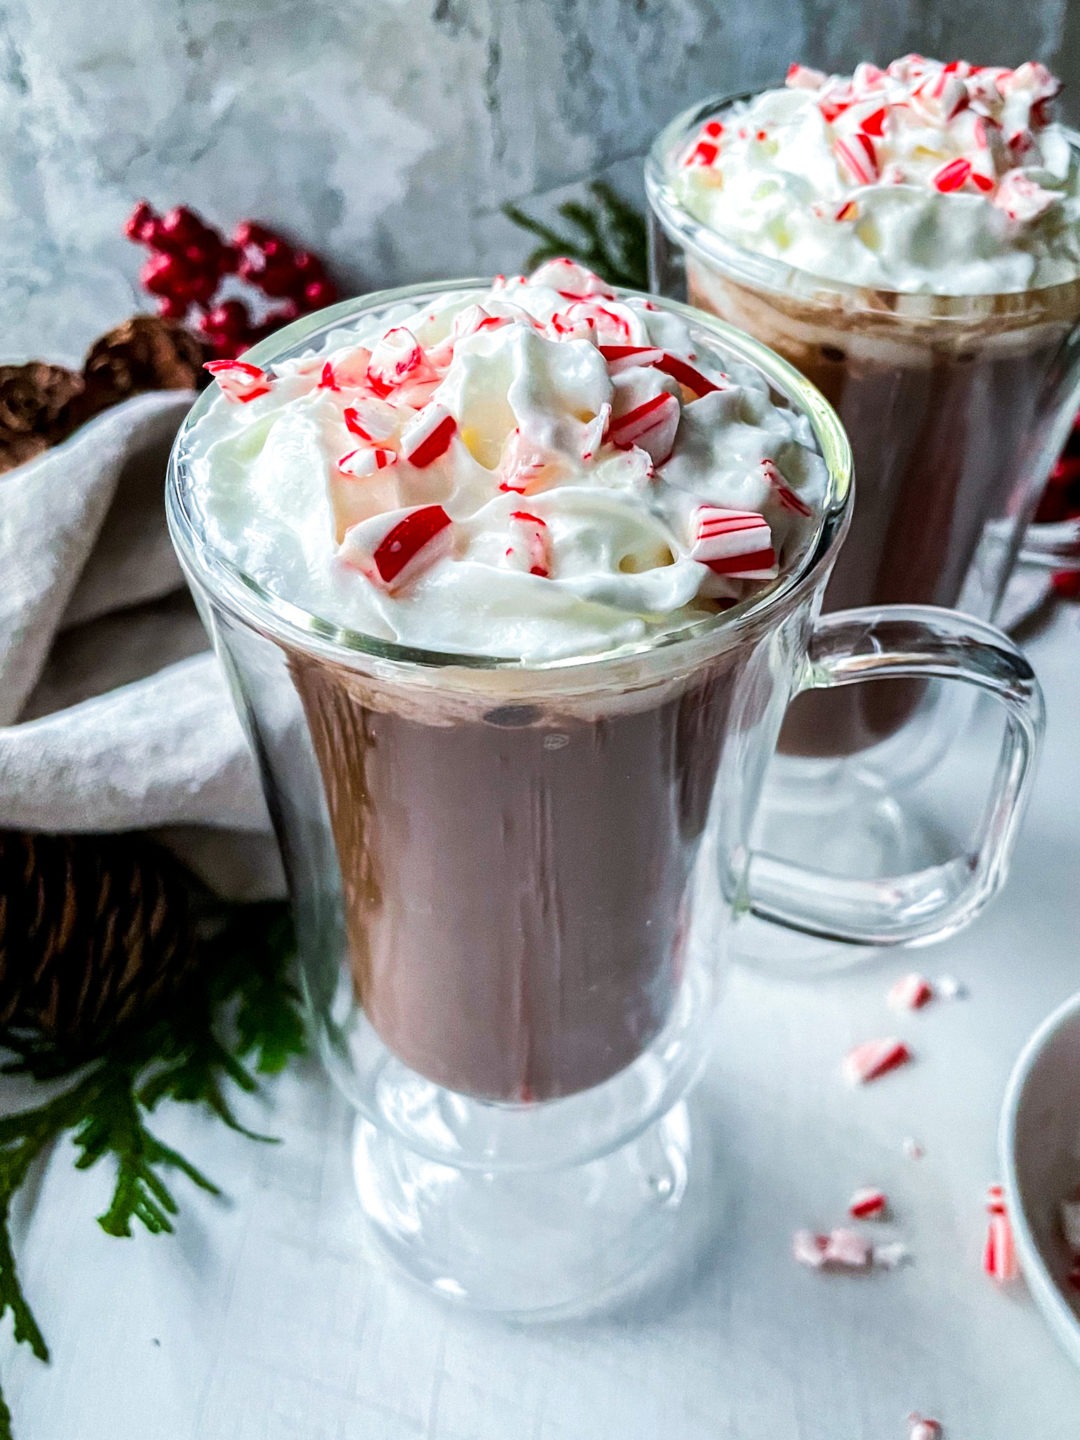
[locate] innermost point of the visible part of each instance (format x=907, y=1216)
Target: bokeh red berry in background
x=221, y=288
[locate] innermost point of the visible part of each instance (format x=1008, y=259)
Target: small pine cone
x=96, y=934
x=144, y=353
x=33, y=400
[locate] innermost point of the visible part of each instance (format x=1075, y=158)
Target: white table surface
x=270, y=1318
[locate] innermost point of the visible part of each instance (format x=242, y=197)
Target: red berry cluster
x=190, y=260
x=1061, y=501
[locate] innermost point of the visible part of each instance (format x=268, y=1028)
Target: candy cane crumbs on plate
x=911, y=1148
x=809, y=1248
x=840, y=1249
x=874, y=1058
x=922, y=1427
x=911, y=992
x=868, y=1203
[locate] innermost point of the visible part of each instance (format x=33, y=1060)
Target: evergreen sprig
x=237, y=1019
x=607, y=236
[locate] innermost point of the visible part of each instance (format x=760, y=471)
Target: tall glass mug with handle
x=515, y=870
x=909, y=239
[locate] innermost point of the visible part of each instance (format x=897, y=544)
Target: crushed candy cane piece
x=621, y=357
x=868, y=1203
x=874, y=1058
x=397, y=359
x=911, y=1148
x=531, y=542
x=1070, y=1224
x=922, y=1427
x=732, y=542
x=391, y=549
x=949, y=988
x=366, y=459
x=428, y=435
x=809, y=1249
x=892, y=1255
x=239, y=381
x=847, y=1249
x=858, y=158
x=650, y=426
x=999, y=1252
x=995, y=1200
x=911, y=992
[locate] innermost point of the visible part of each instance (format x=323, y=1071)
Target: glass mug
x=956, y=408
x=514, y=884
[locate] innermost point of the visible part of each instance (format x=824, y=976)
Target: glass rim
x=292, y=624
x=778, y=276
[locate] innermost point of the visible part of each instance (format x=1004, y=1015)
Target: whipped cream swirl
x=536, y=472
x=948, y=179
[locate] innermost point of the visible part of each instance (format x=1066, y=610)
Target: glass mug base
x=542, y=1244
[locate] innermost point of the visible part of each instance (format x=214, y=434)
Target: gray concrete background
x=386, y=133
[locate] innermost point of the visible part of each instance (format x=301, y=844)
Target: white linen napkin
x=113, y=712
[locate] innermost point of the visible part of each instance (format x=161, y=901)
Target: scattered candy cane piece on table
x=868, y=1203
x=892, y=1255
x=911, y=992
x=999, y=1252
x=949, y=988
x=239, y=381
x=874, y=1058
x=911, y=1148
x=393, y=548
x=809, y=1249
x=921, y=1427
x=847, y=1249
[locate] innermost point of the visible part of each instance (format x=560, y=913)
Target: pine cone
x=96, y=933
x=144, y=353
x=33, y=399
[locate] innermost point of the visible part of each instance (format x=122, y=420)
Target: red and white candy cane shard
x=1070, y=1224
x=428, y=435
x=239, y=381
x=999, y=1253
x=1021, y=198
x=809, y=1249
x=924, y=1428
x=995, y=1200
x=532, y=540
x=595, y=431
x=857, y=157
x=704, y=153
x=874, y=1058
x=651, y=427
x=620, y=357
x=370, y=420
x=328, y=379
x=366, y=460
x=848, y=210
x=394, y=548
x=911, y=992
x=867, y=78
x=786, y=497
x=737, y=543
x=953, y=175
x=947, y=987
x=397, y=359
x=847, y=1249
x=802, y=77
x=874, y=123
x=571, y=280
x=868, y=1203
x=911, y=1148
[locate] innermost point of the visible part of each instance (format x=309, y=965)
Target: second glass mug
x=514, y=885
x=956, y=408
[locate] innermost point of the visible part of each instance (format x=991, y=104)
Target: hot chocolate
x=909, y=238
x=539, y=474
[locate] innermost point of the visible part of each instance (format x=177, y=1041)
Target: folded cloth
x=113, y=712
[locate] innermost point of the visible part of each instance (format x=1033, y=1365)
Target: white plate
x=1039, y=1146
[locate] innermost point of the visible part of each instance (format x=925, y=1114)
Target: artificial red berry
x=229, y=258
x=275, y=248
x=181, y=226
x=319, y=293
x=230, y=319
x=1066, y=583
x=276, y=280
x=171, y=307
x=250, y=232
x=308, y=266
x=164, y=274
x=140, y=223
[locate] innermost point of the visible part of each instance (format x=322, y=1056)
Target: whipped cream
x=538, y=471
x=949, y=179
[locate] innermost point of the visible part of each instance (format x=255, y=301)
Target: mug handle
x=1052, y=545
x=921, y=641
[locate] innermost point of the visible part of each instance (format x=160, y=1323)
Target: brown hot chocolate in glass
x=514, y=878
x=944, y=415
